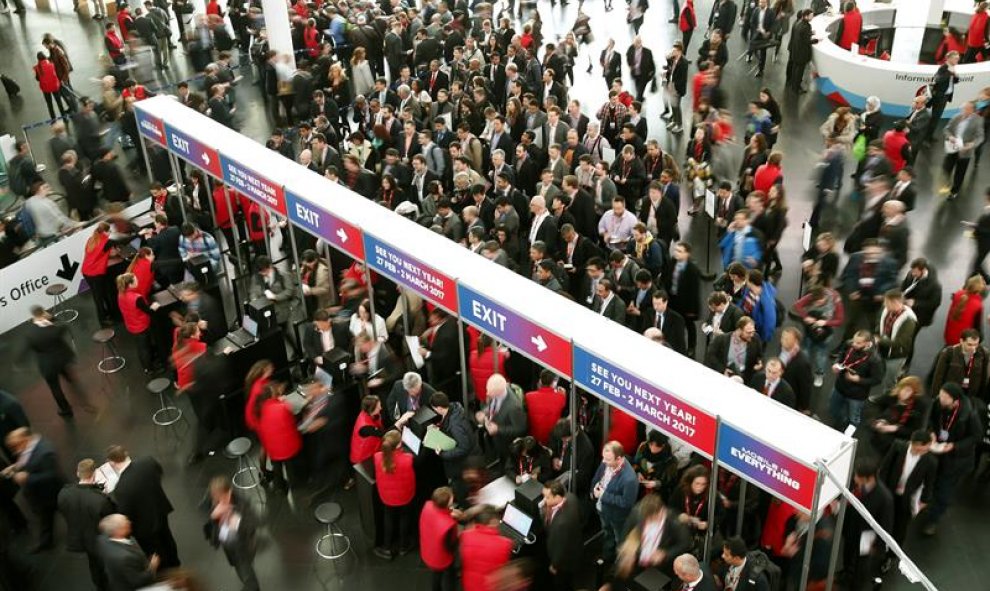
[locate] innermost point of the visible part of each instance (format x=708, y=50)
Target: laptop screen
x=248, y=324
x=517, y=520
x=412, y=442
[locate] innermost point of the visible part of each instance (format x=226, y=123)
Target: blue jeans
x=845, y=411
x=818, y=353
x=611, y=536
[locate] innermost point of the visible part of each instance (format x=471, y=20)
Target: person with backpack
x=747, y=571
x=22, y=172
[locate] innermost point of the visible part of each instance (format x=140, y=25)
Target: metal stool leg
x=112, y=362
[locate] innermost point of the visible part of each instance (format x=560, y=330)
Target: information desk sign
x=254, y=186
x=767, y=467
x=151, y=127
x=645, y=401
x=193, y=151
x=410, y=272
x=343, y=236
x=543, y=346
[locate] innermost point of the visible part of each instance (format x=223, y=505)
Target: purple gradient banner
x=766, y=466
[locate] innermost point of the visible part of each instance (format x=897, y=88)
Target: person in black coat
x=943, y=87
x=55, y=356
x=127, y=567
x=741, y=573
x=139, y=496
x=861, y=568
x=668, y=321
x=208, y=309
x=641, y=65
x=798, y=372
x=326, y=431
x=454, y=423
x=405, y=398
x=39, y=478
x=923, y=294
x=981, y=231
x=770, y=383
x=562, y=518
x=78, y=190
x=675, y=80
x=761, y=27
x=717, y=356
x=799, y=49
x=232, y=514
x=661, y=205
x=723, y=17
x=164, y=243
x=919, y=481
x=83, y=505
x=563, y=444
x=682, y=280
x=441, y=349
x=108, y=174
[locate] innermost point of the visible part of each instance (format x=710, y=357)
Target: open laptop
x=411, y=441
x=246, y=334
x=516, y=524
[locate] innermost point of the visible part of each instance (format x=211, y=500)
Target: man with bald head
x=692, y=576
x=502, y=416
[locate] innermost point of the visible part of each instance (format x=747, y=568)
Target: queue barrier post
x=712, y=491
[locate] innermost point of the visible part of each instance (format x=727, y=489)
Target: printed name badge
x=943, y=435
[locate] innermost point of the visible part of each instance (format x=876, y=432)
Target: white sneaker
x=819, y=380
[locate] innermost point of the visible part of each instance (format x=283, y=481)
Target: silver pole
x=147, y=161
x=743, y=483
x=712, y=490
x=572, y=417
x=297, y=268
x=463, y=356
x=213, y=213
x=371, y=300
x=236, y=231
x=810, y=542
x=887, y=539
x=333, y=284
x=834, y=555
x=606, y=422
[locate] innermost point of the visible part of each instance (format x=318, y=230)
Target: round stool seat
x=56, y=289
x=158, y=385
x=238, y=447
x=103, y=336
x=328, y=513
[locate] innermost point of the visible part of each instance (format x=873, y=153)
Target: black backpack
x=762, y=565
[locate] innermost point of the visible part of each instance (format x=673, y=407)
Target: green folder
x=438, y=440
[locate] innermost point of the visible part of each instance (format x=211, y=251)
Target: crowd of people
x=466, y=120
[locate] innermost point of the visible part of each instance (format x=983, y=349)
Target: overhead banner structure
x=741, y=430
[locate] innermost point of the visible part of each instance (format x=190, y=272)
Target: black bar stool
x=248, y=475
x=59, y=312
x=112, y=361
x=329, y=514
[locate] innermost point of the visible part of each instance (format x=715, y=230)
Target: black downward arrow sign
x=68, y=270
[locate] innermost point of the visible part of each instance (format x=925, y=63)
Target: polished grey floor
x=954, y=560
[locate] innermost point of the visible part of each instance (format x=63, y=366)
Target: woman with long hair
x=966, y=310
x=254, y=384
x=901, y=413
x=140, y=267
x=770, y=105
x=186, y=350
x=754, y=156
x=361, y=74
x=136, y=311
x=697, y=167
x=528, y=460
x=690, y=502
x=94, y=269
x=278, y=434
x=50, y=85
x=776, y=219
x=340, y=90
x=396, y=482
x=361, y=321
x=388, y=194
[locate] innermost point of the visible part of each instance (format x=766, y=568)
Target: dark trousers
x=957, y=166
x=96, y=570
x=795, y=74
x=686, y=38
x=641, y=83
x=44, y=510
x=54, y=380
x=146, y=349
x=162, y=543
x=244, y=567
x=950, y=472
x=938, y=107
x=57, y=97
x=445, y=580
x=101, y=286
x=981, y=255
x=902, y=518
x=398, y=524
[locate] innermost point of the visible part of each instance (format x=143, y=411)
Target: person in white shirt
x=49, y=220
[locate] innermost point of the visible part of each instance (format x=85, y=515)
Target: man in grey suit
x=963, y=133
x=502, y=416
x=918, y=120
x=555, y=130
x=127, y=567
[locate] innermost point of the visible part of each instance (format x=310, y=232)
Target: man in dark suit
x=909, y=472
x=923, y=293
x=405, y=398
x=761, y=27
x=502, y=416
x=526, y=169
x=641, y=66
x=668, y=321
x=692, y=575
x=440, y=346
x=723, y=17
x=740, y=574
x=799, y=50
x=943, y=87
x=682, y=280
x=377, y=363
x=139, y=496
x=164, y=242
x=562, y=522
x=233, y=526
x=659, y=213
x=607, y=303
x=770, y=382
x=586, y=460
x=543, y=228
x=36, y=472
x=494, y=73
x=127, y=567
x=55, y=356
x=717, y=356
x=211, y=318
x=723, y=315
x=798, y=372
x=434, y=80
x=575, y=251
x=611, y=63
x=861, y=568
x=83, y=505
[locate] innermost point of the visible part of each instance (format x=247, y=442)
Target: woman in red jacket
x=254, y=384
x=51, y=87
x=850, y=27
x=396, y=481
x=140, y=267
x=96, y=255
x=438, y=538
x=311, y=38
x=481, y=364
x=187, y=348
x=484, y=551
x=977, y=35
x=366, y=438
x=965, y=311
x=136, y=310
x=686, y=23
x=769, y=174
x=278, y=434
